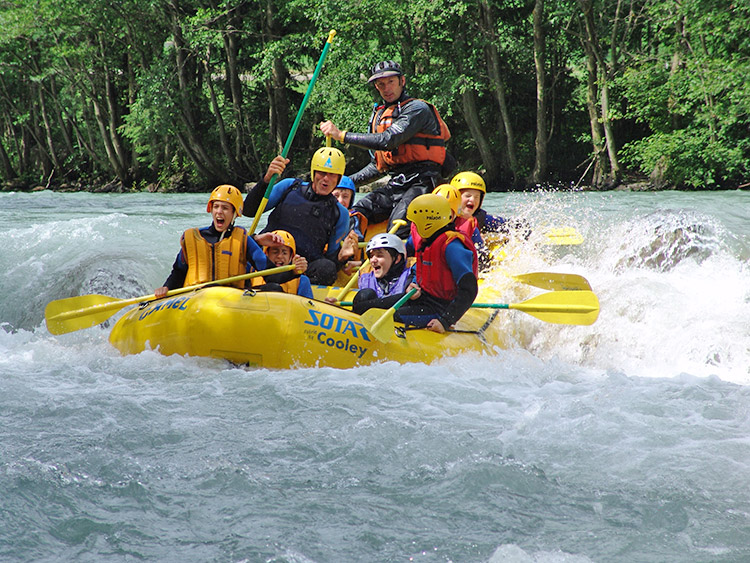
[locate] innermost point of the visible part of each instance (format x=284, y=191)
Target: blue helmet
x=346, y=183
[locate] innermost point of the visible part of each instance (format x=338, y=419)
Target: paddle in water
x=84, y=311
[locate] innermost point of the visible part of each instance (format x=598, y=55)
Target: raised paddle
x=84, y=311
x=293, y=131
x=397, y=223
x=558, y=307
x=379, y=323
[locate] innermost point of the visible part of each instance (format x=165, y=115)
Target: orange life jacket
x=419, y=148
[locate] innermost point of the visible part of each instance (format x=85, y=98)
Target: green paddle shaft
x=293, y=131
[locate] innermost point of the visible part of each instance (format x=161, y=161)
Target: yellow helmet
x=450, y=193
x=429, y=213
x=227, y=193
x=328, y=159
x=469, y=180
x=287, y=240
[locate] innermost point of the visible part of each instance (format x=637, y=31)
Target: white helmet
x=386, y=240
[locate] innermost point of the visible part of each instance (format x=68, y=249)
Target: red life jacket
x=466, y=226
x=433, y=273
x=208, y=262
x=419, y=148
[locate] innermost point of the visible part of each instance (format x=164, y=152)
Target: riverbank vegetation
x=187, y=94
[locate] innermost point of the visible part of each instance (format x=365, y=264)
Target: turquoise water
x=624, y=441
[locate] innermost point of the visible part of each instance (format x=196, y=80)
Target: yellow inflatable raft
x=280, y=331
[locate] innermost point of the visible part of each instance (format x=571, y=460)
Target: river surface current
x=627, y=440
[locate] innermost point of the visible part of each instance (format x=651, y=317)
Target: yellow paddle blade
x=562, y=307
x=84, y=311
x=554, y=281
x=379, y=323
x=77, y=313
x=563, y=236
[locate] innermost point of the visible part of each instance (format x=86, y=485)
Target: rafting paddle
x=577, y=307
x=84, y=311
x=558, y=307
x=293, y=131
x=554, y=281
x=379, y=323
x=338, y=295
x=561, y=236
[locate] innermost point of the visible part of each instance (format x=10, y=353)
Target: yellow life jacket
x=208, y=262
x=291, y=287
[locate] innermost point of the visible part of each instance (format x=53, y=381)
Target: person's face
x=470, y=201
x=390, y=87
x=325, y=182
x=223, y=215
x=381, y=261
x=344, y=196
x=280, y=255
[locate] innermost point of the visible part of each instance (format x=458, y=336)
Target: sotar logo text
x=342, y=326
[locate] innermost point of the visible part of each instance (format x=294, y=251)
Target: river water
x=627, y=440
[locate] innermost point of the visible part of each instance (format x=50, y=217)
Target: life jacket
x=419, y=148
x=311, y=219
x=208, y=262
x=358, y=222
x=466, y=226
x=291, y=287
x=396, y=285
x=433, y=273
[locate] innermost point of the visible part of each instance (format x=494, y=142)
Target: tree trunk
x=540, y=162
x=278, y=106
x=232, y=49
x=48, y=130
x=492, y=56
x=223, y=137
x=592, y=100
x=188, y=136
x=603, y=76
x=6, y=166
x=471, y=116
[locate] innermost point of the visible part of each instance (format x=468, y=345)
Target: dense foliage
x=138, y=92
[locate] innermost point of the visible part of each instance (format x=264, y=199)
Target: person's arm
x=415, y=116
x=305, y=288
x=339, y=233
x=255, y=195
x=460, y=260
x=367, y=173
